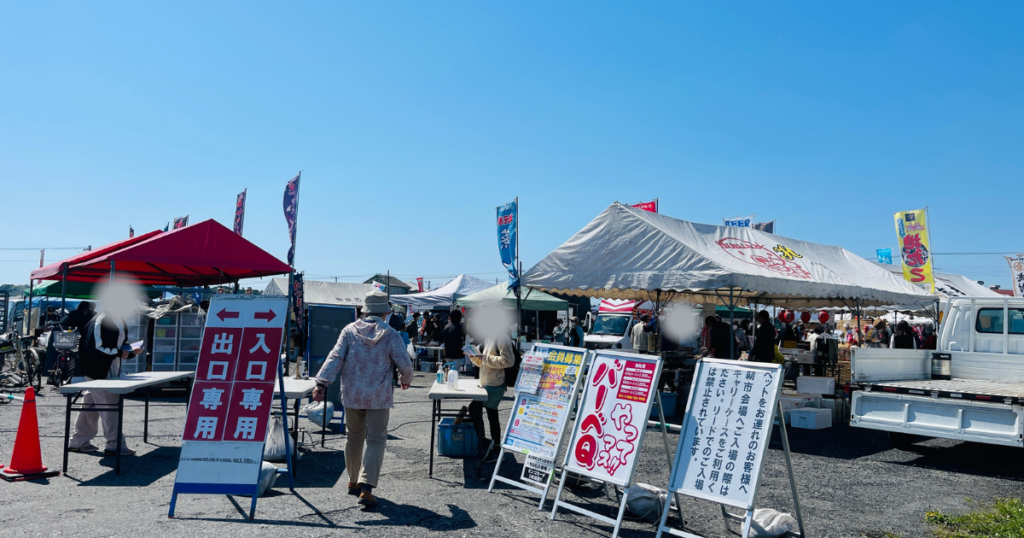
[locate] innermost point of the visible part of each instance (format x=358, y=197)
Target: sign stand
x=691, y=457
x=231, y=402
x=618, y=393
x=509, y=446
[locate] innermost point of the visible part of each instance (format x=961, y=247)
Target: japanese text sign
x=612, y=416
x=538, y=419
x=1017, y=273
x=915, y=247
x=507, y=230
x=229, y=408
x=726, y=431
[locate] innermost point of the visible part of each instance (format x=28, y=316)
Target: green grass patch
x=1003, y=519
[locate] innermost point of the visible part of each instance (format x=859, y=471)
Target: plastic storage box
x=455, y=440
x=815, y=385
x=669, y=400
x=811, y=418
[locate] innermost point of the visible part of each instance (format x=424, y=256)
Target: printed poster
x=726, y=431
x=613, y=416
x=538, y=419
x=915, y=247
x=537, y=471
x=1017, y=274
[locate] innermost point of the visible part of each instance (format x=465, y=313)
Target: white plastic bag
x=268, y=476
x=411, y=349
x=275, y=449
x=645, y=501
x=770, y=523
x=315, y=412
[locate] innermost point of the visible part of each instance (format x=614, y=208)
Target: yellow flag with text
x=915, y=247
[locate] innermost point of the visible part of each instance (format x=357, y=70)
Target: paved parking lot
x=851, y=484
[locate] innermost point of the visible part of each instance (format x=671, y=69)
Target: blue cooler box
x=455, y=440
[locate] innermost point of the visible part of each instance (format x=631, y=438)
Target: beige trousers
x=88, y=421
x=370, y=425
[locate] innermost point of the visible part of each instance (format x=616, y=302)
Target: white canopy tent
x=628, y=253
x=445, y=296
x=321, y=292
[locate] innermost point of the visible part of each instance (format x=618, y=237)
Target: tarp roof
x=204, y=253
x=76, y=290
x=321, y=292
x=628, y=253
x=446, y=295
x=532, y=299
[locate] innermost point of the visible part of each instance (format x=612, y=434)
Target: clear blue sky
x=412, y=121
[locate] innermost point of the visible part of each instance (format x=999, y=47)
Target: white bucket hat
x=376, y=302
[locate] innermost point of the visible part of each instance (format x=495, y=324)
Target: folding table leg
x=120, y=433
x=67, y=432
x=145, y=422
x=433, y=431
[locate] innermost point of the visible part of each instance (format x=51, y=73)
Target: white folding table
x=125, y=384
x=468, y=389
x=295, y=390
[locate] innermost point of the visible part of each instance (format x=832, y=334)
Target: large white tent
x=321, y=292
x=628, y=253
x=444, y=296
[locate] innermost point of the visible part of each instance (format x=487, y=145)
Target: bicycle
x=66, y=344
x=20, y=362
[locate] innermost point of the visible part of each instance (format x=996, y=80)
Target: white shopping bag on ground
x=770, y=523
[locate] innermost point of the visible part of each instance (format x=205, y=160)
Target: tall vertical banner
x=739, y=222
x=508, y=229
x=419, y=284
x=651, y=206
x=180, y=222
x=240, y=211
x=231, y=400
x=884, y=255
x=291, y=213
x=298, y=302
x=915, y=248
x=1017, y=273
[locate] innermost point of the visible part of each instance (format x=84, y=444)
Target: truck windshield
x=610, y=325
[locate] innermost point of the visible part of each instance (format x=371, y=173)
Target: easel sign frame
x=603, y=366
x=716, y=381
x=554, y=359
x=232, y=398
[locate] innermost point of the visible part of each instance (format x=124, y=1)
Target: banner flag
x=767, y=227
x=648, y=206
x=507, y=228
x=131, y=231
x=419, y=284
x=291, y=213
x=298, y=302
x=378, y=285
x=180, y=222
x=1017, y=273
x=240, y=211
x=739, y=222
x=915, y=248
x=884, y=255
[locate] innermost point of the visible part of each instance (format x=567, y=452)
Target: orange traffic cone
x=27, y=460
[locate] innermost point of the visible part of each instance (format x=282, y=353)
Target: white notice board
x=726, y=431
x=612, y=416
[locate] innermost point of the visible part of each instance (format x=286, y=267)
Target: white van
x=610, y=331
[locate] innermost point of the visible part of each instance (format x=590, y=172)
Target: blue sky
x=411, y=121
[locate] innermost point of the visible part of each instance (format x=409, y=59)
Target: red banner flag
x=651, y=206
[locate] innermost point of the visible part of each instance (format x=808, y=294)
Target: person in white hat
x=365, y=356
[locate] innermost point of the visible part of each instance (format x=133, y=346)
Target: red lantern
x=781, y=315
x=823, y=316
x=787, y=316
x=805, y=317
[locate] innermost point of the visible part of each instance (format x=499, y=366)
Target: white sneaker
x=125, y=451
x=87, y=447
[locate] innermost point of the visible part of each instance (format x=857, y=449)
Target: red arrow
x=268, y=315
x=225, y=314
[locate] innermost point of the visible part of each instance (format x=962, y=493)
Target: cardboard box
x=811, y=419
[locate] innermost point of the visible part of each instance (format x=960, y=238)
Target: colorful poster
x=726, y=431
x=229, y=408
x=538, y=419
x=915, y=248
x=1017, y=274
x=884, y=255
x=651, y=206
x=612, y=416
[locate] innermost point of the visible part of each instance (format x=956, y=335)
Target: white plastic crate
x=810, y=418
x=815, y=385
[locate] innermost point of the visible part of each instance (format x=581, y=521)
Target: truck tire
x=901, y=441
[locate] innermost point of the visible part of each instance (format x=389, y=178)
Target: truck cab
x=971, y=388
x=610, y=331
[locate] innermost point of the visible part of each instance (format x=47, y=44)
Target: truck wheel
x=901, y=441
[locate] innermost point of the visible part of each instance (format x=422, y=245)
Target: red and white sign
x=233, y=393
x=624, y=306
x=648, y=206
x=613, y=416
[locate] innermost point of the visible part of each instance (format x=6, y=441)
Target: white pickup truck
x=971, y=388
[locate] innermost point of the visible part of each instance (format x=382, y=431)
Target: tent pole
x=63, y=286
x=28, y=311
x=732, y=334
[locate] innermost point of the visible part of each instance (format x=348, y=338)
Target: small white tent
x=445, y=296
x=628, y=253
x=321, y=292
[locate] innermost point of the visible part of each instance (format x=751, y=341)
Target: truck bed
x=964, y=389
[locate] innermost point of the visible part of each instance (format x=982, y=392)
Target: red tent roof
x=55, y=269
x=205, y=253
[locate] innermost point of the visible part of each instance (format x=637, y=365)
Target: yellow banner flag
x=915, y=247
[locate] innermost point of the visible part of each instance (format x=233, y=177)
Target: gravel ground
x=851, y=484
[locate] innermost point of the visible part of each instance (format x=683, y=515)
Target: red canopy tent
x=204, y=253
